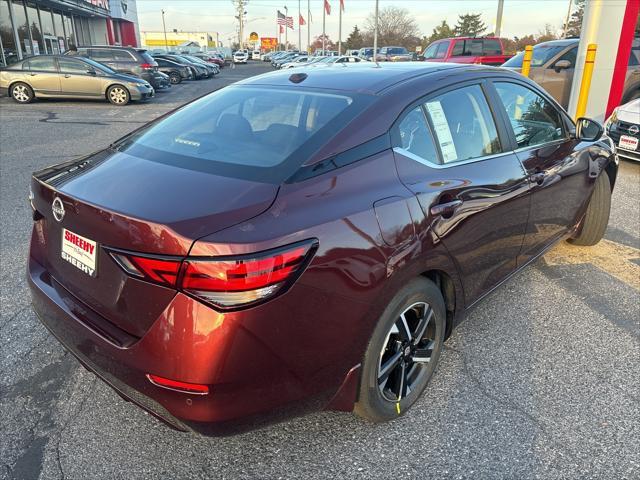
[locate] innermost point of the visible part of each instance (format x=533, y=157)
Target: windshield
x=541, y=55
x=246, y=132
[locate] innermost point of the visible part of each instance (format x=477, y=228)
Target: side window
x=535, y=121
x=43, y=64
x=569, y=55
x=72, y=66
x=431, y=51
x=122, y=56
x=463, y=124
x=634, y=56
x=100, y=55
x=415, y=136
x=442, y=50
x=458, y=49
x=491, y=47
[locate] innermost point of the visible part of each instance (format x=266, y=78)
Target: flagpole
x=299, y=28
x=324, y=18
x=309, y=27
x=279, y=28
x=375, y=36
x=340, y=28
x=286, y=28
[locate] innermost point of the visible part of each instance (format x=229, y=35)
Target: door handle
x=33, y=74
x=445, y=209
x=538, y=178
x=66, y=75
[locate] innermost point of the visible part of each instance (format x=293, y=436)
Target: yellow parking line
x=611, y=257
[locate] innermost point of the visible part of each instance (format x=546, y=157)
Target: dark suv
x=176, y=71
x=129, y=60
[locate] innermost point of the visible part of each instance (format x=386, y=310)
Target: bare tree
x=396, y=27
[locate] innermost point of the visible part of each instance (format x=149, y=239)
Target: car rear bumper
x=249, y=383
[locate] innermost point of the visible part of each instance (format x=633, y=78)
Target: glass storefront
x=7, y=37
x=32, y=27
x=37, y=43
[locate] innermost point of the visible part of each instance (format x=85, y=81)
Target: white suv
x=255, y=55
x=241, y=56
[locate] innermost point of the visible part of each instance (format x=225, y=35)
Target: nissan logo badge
x=58, y=209
x=633, y=129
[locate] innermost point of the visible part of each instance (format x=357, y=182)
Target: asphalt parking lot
x=541, y=381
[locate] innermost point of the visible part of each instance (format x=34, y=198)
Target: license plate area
x=79, y=251
x=628, y=143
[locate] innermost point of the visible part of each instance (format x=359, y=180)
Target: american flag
x=282, y=19
x=327, y=7
x=290, y=22
x=301, y=20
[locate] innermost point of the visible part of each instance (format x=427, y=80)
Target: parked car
x=177, y=72
x=55, y=76
x=128, y=60
x=281, y=60
x=623, y=128
x=393, y=54
x=212, y=68
x=485, y=51
x=210, y=59
x=255, y=55
x=366, y=53
x=369, y=220
x=300, y=61
x=199, y=71
x=240, y=56
x=553, y=66
x=354, y=52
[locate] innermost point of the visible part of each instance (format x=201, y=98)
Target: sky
x=520, y=17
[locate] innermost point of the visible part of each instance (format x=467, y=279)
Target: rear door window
x=101, y=54
x=535, y=121
x=415, y=136
x=491, y=47
x=42, y=64
x=68, y=65
x=463, y=124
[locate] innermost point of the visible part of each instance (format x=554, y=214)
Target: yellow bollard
x=587, y=73
x=526, y=60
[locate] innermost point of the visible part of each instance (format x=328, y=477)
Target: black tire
x=175, y=78
x=118, y=95
x=596, y=218
x=376, y=400
x=21, y=92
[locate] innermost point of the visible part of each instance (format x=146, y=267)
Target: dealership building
x=40, y=27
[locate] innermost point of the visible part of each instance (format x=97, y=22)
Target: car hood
x=630, y=112
x=127, y=78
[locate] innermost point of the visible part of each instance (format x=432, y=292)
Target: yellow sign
x=253, y=37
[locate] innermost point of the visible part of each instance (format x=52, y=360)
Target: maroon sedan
x=301, y=242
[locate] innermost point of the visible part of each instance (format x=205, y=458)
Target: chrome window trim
x=426, y=162
x=542, y=145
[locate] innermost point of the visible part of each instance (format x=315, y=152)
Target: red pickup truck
x=486, y=51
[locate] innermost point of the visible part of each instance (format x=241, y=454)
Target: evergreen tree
x=575, y=21
x=441, y=31
x=355, y=40
x=470, y=25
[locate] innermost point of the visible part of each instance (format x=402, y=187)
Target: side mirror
x=588, y=130
x=91, y=71
x=562, y=65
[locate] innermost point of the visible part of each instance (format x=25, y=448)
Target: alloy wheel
x=21, y=93
x=406, y=351
x=118, y=95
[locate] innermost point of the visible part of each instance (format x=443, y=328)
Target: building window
x=9, y=48
x=57, y=23
x=48, y=32
x=20, y=20
x=68, y=28
x=36, y=32
x=80, y=32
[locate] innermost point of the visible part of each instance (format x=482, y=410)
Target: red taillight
x=184, y=387
x=162, y=271
x=147, y=66
x=224, y=282
x=229, y=283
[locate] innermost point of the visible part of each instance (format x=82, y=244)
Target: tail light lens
x=146, y=66
x=225, y=282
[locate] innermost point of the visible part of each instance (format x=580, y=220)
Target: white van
x=255, y=55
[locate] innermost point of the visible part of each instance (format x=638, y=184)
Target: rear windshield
x=256, y=133
x=541, y=55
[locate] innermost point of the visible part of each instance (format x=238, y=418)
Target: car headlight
x=135, y=84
